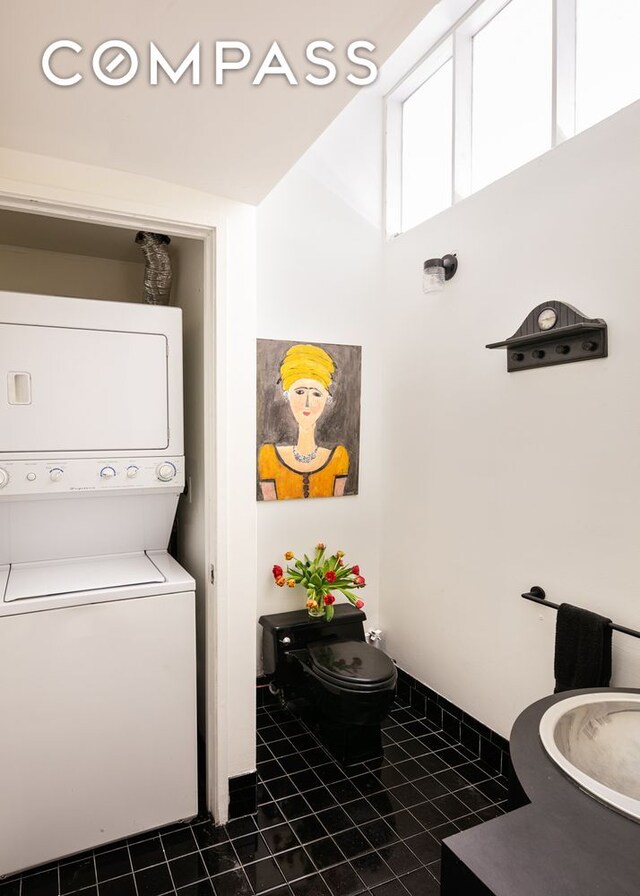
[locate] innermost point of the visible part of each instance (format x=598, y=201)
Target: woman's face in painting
x=307, y=399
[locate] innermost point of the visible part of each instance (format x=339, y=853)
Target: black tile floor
x=321, y=830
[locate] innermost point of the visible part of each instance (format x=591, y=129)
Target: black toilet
x=341, y=685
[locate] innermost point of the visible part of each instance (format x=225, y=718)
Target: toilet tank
x=283, y=632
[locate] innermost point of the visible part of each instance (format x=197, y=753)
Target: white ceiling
x=235, y=140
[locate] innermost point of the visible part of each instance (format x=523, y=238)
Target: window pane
x=607, y=58
x=511, y=120
x=427, y=135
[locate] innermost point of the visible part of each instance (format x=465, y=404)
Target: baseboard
x=243, y=795
x=492, y=748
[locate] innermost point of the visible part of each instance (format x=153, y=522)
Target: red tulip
x=277, y=571
x=330, y=576
x=329, y=599
x=359, y=580
x=359, y=604
x=355, y=570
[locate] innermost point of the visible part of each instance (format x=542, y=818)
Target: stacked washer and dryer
x=97, y=620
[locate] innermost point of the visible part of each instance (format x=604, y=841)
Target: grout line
x=95, y=870
x=135, y=882
x=210, y=876
x=400, y=718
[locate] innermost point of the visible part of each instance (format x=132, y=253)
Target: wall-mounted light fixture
x=436, y=271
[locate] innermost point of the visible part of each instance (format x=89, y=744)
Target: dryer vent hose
x=157, y=271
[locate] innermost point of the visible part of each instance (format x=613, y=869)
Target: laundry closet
x=48, y=257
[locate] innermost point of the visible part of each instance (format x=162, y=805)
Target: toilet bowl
x=341, y=685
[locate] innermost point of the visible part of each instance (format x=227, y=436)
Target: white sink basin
x=595, y=739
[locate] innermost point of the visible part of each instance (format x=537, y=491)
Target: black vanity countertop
x=564, y=843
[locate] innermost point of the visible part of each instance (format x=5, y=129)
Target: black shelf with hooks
x=554, y=333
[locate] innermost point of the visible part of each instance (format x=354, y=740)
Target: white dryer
x=97, y=621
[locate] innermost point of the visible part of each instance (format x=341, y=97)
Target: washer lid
x=354, y=661
x=59, y=577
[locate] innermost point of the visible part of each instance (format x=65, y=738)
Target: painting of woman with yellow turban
x=308, y=420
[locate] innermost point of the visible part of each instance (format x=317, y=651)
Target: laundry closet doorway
x=53, y=249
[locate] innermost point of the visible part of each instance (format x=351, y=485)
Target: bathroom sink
x=595, y=739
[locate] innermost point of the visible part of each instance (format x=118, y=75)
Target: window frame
x=457, y=42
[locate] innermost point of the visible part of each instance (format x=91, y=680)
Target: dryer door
x=74, y=390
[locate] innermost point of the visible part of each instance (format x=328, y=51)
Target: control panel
x=75, y=475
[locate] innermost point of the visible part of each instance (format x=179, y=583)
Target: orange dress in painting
x=289, y=483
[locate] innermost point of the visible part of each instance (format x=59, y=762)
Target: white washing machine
x=97, y=620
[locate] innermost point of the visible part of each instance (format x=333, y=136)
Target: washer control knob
x=31, y=477
x=107, y=473
x=166, y=472
x=132, y=471
x=56, y=474
x=4, y=478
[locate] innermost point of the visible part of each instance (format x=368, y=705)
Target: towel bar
x=538, y=596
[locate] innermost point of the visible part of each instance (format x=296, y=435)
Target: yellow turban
x=306, y=362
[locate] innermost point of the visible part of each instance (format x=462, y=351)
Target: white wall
x=44, y=185
x=484, y=483
x=501, y=481
x=320, y=280
x=59, y=274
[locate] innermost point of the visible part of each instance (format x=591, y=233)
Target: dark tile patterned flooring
x=320, y=829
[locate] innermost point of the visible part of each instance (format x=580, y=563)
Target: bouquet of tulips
x=321, y=576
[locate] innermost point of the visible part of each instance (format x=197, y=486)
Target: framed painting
x=308, y=426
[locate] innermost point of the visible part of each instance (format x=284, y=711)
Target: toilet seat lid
x=351, y=661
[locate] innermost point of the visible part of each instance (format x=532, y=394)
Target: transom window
x=427, y=147
x=511, y=80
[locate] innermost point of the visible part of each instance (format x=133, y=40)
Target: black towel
x=583, y=649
